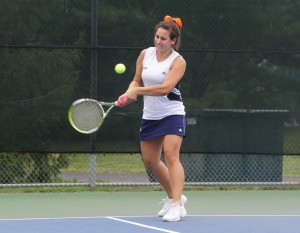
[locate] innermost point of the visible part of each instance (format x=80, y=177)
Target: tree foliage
x=239, y=55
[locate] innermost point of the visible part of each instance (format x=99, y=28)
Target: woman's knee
x=171, y=156
x=148, y=163
x=152, y=164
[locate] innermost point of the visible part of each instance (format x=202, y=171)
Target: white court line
x=141, y=225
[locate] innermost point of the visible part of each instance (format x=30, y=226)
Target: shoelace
x=177, y=203
x=165, y=200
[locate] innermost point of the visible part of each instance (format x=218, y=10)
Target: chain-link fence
x=22, y=170
x=240, y=89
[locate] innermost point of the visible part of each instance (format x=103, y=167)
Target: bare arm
x=173, y=77
x=136, y=87
x=137, y=80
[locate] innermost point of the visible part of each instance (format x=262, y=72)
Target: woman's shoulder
x=176, y=53
x=179, y=61
x=150, y=50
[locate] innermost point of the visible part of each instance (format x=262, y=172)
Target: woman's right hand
x=126, y=99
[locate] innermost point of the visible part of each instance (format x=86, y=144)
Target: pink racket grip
x=118, y=103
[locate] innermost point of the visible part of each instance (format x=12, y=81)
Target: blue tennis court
x=193, y=224
x=135, y=212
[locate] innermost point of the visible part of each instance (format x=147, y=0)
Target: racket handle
x=118, y=103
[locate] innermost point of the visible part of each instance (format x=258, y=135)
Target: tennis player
x=159, y=70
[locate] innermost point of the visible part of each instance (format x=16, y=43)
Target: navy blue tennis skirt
x=175, y=124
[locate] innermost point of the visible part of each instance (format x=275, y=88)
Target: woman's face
x=162, y=40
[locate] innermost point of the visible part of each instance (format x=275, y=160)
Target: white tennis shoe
x=168, y=204
x=175, y=212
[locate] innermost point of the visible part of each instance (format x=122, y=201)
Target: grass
x=113, y=163
x=132, y=163
x=291, y=139
x=146, y=188
x=291, y=166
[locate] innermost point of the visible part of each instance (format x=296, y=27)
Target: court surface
x=208, y=211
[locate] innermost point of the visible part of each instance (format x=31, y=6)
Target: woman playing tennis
x=159, y=70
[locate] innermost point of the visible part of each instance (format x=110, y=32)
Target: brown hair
x=173, y=29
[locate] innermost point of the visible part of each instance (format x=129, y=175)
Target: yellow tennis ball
x=120, y=68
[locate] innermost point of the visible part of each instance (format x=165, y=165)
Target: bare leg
x=172, y=144
x=151, y=152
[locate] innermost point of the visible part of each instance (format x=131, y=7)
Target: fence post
x=94, y=25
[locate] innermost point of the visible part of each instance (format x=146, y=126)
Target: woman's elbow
x=165, y=91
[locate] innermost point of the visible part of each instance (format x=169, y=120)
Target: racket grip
x=118, y=103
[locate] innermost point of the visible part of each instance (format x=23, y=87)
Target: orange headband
x=177, y=21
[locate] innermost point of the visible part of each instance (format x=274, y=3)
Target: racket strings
x=87, y=116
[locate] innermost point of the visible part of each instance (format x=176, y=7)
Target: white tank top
x=154, y=72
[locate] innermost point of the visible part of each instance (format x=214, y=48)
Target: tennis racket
x=87, y=115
